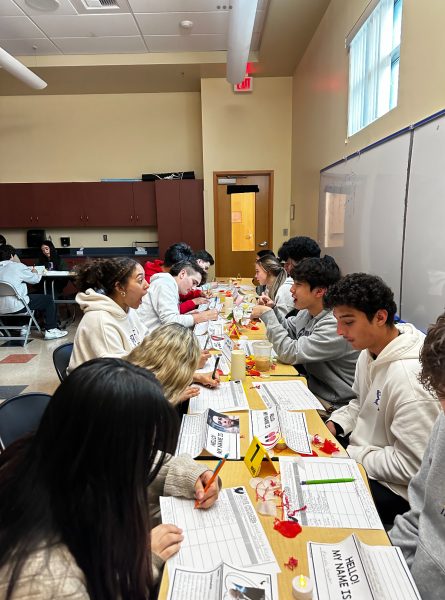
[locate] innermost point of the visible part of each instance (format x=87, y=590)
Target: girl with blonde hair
x=173, y=354
x=269, y=272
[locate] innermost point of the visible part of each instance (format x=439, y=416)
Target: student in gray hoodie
x=309, y=340
x=420, y=532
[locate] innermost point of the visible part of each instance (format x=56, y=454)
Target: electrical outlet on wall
x=285, y=232
x=105, y=236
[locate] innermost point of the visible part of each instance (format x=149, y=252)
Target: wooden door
x=243, y=224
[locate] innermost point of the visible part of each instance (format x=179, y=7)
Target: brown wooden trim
x=217, y=174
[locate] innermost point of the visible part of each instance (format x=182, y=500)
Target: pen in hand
x=216, y=366
x=218, y=468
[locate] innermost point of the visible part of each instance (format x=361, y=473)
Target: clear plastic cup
x=262, y=353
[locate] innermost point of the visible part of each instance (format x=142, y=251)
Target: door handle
x=262, y=244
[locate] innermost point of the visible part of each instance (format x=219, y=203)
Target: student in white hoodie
x=110, y=292
x=390, y=420
x=420, y=533
x=277, y=294
x=161, y=304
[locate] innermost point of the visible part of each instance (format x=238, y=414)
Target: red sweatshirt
x=187, y=303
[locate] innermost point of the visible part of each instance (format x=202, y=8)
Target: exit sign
x=245, y=86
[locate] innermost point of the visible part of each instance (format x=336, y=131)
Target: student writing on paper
x=110, y=292
x=420, y=532
x=161, y=305
x=76, y=520
x=277, y=294
x=310, y=338
x=173, y=354
x=50, y=259
x=391, y=418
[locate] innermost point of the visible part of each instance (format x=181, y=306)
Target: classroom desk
x=236, y=473
x=51, y=277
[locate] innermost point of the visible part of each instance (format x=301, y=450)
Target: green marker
x=321, y=481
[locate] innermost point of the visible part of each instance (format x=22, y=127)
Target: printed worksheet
x=229, y=531
x=217, y=433
x=269, y=426
x=351, y=569
x=330, y=504
x=288, y=395
x=223, y=364
x=227, y=397
x=222, y=583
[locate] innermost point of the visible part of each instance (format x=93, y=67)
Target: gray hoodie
x=328, y=359
x=421, y=531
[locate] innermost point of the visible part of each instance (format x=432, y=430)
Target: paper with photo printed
x=269, y=426
x=215, y=432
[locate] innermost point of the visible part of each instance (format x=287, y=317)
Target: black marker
x=216, y=366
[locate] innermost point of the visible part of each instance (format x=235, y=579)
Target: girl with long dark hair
x=75, y=516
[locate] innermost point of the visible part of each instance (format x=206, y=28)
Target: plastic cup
x=262, y=353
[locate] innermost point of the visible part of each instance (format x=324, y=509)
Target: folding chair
x=7, y=289
x=21, y=415
x=61, y=359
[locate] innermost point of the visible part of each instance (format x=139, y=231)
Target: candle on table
x=302, y=587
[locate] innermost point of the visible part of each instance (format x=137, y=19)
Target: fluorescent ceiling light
x=17, y=69
x=45, y=5
x=241, y=21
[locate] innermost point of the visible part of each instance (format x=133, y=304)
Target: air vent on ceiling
x=88, y=7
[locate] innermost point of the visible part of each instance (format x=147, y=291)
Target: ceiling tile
x=88, y=25
x=25, y=47
x=159, y=6
x=186, y=43
x=18, y=27
x=65, y=8
x=101, y=45
x=9, y=9
x=168, y=23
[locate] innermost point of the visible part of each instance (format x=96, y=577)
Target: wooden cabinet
x=78, y=204
x=180, y=213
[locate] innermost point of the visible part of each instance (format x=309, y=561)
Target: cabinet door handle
x=37, y=218
x=81, y=217
x=131, y=217
x=137, y=217
x=30, y=218
x=86, y=217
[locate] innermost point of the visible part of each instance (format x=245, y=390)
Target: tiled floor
x=30, y=369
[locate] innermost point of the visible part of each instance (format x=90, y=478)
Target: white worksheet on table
x=270, y=425
x=229, y=531
x=228, y=396
x=347, y=505
x=288, y=395
x=351, y=569
x=221, y=583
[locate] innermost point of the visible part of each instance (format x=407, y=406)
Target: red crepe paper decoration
x=289, y=529
x=292, y=563
x=329, y=447
x=253, y=373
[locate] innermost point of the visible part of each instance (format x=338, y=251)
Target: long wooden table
x=236, y=473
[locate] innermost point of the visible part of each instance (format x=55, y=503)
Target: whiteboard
x=423, y=285
x=373, y=187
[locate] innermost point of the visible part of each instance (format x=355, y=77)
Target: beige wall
x=320, y=92
x=90, y=137
x=248, y=132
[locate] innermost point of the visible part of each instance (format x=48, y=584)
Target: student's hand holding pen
x=206, y=379
x=208, y=498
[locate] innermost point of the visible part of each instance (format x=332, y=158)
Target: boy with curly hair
x=387, y=426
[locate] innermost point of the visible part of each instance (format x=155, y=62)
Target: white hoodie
x=392, y=416
x=105, y=329
x=161, y=304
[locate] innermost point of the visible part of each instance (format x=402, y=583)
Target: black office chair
x=21, y=415
x=61, y=359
